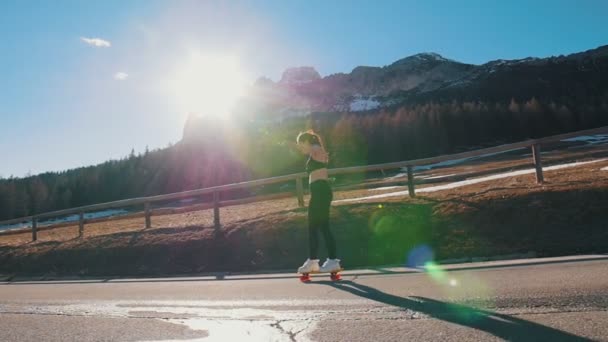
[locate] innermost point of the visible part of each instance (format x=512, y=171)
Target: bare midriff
x=320, y=174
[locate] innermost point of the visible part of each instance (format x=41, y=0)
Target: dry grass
x=498, y=217
x=203, y=218
x=555, y=180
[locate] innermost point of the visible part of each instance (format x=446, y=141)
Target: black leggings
x=318, y=218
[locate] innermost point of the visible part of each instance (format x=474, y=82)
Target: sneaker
x=310, y=266
x=331, y=265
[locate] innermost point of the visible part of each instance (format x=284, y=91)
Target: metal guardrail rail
x=297, y=177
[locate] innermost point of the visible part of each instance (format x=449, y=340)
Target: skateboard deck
x=334, y=276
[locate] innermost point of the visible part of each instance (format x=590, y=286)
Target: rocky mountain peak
x=424, y=57
x=299, y=75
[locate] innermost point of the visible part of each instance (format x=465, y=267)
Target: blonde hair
x=311, y=137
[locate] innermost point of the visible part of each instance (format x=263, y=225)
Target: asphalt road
x=558, y=299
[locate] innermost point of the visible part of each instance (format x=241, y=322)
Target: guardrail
x=534, y=144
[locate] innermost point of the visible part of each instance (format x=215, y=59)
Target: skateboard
x=334, y=276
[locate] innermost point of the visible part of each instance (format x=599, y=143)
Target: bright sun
x=207, y=85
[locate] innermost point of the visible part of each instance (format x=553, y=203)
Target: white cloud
x=121, y=76
x=98, y=42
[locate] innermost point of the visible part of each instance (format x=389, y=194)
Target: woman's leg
x=330, y=242
x=313, y=227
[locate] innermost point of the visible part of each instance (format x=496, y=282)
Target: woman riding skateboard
x=318, y=208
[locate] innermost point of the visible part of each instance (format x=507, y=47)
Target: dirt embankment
x=566, y=215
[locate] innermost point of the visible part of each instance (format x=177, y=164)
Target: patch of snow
x=590, y=139
x=530, y=154
x=528, y=59
x=431, y=55
x=502, y=62
x=362, y=104
x=470, y=181
x=453, y=162
x=15, y=226
x=604, y=168
x=440, y=164
x=442, y=176
x=71, y=218
x=391, y=102
x=432, y=176
x=399, y=175
x=384, y=188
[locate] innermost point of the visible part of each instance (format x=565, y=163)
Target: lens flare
x=419, y=256
x=396, y=231
x=461, y=286
x=435, y=271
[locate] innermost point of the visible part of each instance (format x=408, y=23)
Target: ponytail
x=311, y=137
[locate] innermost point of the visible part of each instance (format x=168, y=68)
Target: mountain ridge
x=412, y=79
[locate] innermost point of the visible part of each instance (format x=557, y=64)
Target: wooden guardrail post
x=410, y=181
x=216, y=210
x=34, y=229
x=538, y=163
x=300, y=191
x=534, y=143
x=147, y=214
x=80, y=224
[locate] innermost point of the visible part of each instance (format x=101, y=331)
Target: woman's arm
x=319, y=154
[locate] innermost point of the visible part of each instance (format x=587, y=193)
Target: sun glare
x=207, y=85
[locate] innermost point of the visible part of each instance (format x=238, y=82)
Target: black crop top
x=313, y=165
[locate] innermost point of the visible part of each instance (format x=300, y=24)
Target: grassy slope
x=566, y=215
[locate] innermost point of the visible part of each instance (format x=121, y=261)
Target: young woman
x=318, y=208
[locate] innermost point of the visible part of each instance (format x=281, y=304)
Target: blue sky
x=63, y=104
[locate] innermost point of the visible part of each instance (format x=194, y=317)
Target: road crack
x=277, y=325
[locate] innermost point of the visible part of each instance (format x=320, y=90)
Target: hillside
x=419, y=106
x=472, y=221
